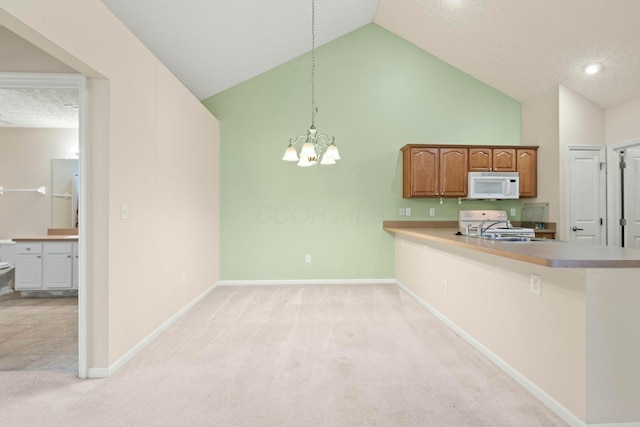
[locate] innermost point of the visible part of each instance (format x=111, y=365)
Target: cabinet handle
x=38, y=256
x=68, y=256
x=28, y=249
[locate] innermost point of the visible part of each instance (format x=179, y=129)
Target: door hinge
x=602, y=165
x=623, y=164
x=623, y=222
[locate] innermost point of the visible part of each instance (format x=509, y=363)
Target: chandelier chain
x=313, y=61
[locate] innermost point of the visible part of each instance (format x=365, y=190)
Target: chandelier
x=316, y=146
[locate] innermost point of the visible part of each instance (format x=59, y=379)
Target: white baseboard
x=308, y=282
x=549, y=401
x=633, y=424
x=107, y=372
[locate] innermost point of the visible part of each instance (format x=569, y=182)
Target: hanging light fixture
x=316, y=146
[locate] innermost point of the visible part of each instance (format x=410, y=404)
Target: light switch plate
x=124, y=211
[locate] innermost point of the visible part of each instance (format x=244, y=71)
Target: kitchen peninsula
x=560, y=318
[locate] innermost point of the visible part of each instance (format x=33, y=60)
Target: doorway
x=586, y=191
x=624, y=173
x=44, y=81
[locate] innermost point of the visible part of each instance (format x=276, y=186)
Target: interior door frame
x=614, y=191
x=78, y=82
x=604, y=202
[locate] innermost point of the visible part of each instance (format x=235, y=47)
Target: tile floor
x=38, y=333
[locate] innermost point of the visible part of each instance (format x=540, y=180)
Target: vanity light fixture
x=316, y=146
x=593, y=68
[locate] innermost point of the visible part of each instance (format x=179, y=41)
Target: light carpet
x=336, y=355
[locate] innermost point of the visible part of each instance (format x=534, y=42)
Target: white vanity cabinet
x=46, y=266
x=28, y=266
x=58, y=266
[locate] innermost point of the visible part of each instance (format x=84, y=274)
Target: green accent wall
x=375, y=93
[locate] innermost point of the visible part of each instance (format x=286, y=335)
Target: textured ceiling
x=524, y=47
x=520, y=47
x=38, y=108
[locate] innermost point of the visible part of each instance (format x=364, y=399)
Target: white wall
x=151, y=145
x=555, y=120
x=25, y=163
x=541, y=337
x=581, y=121
x=577, y=342
x=540, y=126
x=623, y=123
x=613, y=374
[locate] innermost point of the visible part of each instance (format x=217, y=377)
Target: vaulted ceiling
x=520, y=47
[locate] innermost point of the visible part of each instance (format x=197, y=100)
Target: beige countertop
x=49, y=238
x=549, y=253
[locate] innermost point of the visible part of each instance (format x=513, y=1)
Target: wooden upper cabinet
x=434, y=172
x=423, y=172
x=441, y=170
x=527, y=167
x=487, y=159
x=453, y=172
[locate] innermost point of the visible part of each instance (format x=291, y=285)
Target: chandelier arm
x=295, y=140
x=325, y=140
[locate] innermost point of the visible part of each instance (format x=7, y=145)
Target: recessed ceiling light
x=593, y=68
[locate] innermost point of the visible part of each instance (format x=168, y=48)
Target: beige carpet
x=38, y=333
x=363, y=355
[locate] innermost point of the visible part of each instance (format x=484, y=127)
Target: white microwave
x=494, y=185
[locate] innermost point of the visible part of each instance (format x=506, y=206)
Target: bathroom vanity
x=47, y=263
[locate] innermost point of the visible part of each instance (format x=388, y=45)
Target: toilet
x=7, y=269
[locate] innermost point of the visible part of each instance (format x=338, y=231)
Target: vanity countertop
x=49, y=238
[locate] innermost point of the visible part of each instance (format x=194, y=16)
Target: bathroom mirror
x=64, y=193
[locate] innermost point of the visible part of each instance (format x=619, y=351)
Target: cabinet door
x=504, y=160
x=480, y=159
x=527, y=168
x=28, y=271
x=74, y=274
x=57, y=271
x=424, y=172
x=453, y=172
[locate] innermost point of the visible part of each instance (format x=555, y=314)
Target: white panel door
x=632, y=198
x=586, y=196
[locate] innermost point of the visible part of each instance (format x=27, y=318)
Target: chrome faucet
x=482, y=229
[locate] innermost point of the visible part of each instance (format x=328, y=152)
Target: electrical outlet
x=445, y=285
x=402, y=212
x=307, y=259
x=408, y=211
x=535, y=284
x=513, y=211
x=183, y=278
x=432, y=211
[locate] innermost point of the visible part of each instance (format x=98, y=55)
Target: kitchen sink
x=512, y=238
